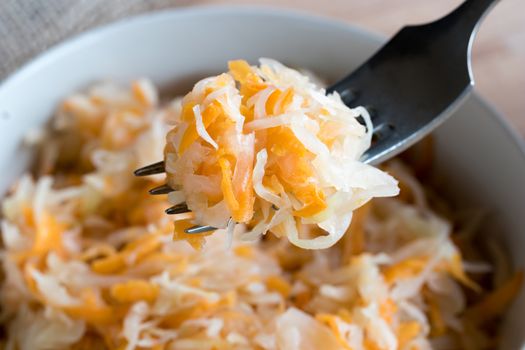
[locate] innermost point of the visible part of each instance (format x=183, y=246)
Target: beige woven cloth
x=28, y=27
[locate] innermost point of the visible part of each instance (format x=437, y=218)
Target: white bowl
x=480, y=156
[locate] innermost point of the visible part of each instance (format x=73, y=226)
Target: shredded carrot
x=496, y=302
x=108, y=265
x=370, y=344
x=279, y=284
x=209, y=115
x=228, y=299
x=438, y=326
x=48, y=235
x=134, y=290
x=314, y=203
x=345, y=315
x=246, y=199
x=89, y=342
x=29, y=280
x=387, y=309
x=98, y=251
x=331, y=321
x=406, y=268
x=226, y=184
x=287, y=99
x=272, y=99
x=243, y=73
x=244, y=250
x=93, y=310
x=302, y=298
x=130, y=255
x=406, y=332
x=456, y=269
x=196, y=241
x=28, y=215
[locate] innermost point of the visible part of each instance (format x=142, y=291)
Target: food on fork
x=265, y=147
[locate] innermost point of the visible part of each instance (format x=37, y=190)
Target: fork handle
x=464, y=20
x=455, y=31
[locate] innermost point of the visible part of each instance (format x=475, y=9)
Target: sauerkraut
x=89, y=260
x=267, y=148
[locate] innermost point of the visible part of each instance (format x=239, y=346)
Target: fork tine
x=152, y=169
x=162, y=189
x=199, y=229
x=178, y=209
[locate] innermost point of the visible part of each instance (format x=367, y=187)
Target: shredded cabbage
x=307, y=148
x=89, y=260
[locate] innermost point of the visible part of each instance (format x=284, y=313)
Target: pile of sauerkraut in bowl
x=90, y=260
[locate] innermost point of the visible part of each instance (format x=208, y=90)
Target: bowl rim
x=72, y=43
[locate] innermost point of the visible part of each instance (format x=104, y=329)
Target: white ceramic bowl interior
x=481, y=158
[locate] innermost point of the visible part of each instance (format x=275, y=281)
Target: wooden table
x=499, y=49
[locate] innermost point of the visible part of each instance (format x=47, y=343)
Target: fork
x=409, y=86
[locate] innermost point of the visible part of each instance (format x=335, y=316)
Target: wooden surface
x=498, y=53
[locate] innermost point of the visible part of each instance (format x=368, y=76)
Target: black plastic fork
x=410, y=86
